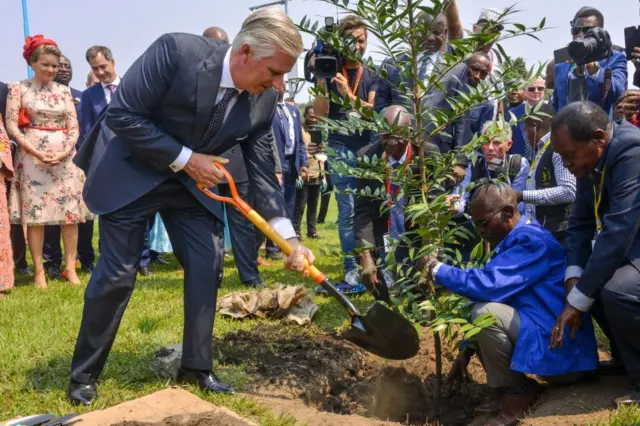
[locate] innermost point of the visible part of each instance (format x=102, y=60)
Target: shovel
x=380, y=331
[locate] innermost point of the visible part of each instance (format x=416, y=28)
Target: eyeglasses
x=535, y=89
x=482, y=225
x=577, y=30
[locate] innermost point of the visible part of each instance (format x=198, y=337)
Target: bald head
x=216, y=33
x=493, y=194
x=396, y=111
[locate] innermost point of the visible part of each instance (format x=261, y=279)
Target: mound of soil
x=337, y=377
x=213, y=418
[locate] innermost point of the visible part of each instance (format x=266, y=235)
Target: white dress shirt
x=107, y=91
x=226, y=83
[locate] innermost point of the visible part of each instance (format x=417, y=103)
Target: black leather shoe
x=80, y=394
x=88, y=268
x=144, y=271
x=160, y=260
x=54, y=272
x=205, y=380
x=612, y=367
x=273, y=255
x=254, y=284
x=24, y=271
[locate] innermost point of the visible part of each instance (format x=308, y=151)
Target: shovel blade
x=385, y=333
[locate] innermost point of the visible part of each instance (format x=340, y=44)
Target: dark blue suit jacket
x=92, y=105
x=300, y=150
x=618, y=66
x=619, y=239
x=387, y=94
x=164, y=103
x=518, y=140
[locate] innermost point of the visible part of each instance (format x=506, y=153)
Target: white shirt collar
x=402, y=159
x=544, y=140
x=115, y=82
x=226, y=81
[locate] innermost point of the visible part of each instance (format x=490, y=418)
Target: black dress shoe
x=160, y=260
x=144, y=271
x=612, y=367
x=80, y=394
x=88, y=268
x=313, y=236
x=24, y=271
x=205, y=380
x=54, y=272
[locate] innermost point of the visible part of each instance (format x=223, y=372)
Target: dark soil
x=337, y=377
x=207, y=419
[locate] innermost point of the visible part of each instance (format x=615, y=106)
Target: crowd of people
x=562, y=221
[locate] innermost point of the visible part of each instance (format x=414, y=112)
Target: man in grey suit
x=186, y=100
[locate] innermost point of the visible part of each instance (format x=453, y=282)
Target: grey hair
x=94, y=51
x=267, y=30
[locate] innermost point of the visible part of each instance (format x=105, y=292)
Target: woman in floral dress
x=6, y=173
x=41, y=118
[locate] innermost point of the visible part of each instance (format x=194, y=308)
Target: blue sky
x=129, y=26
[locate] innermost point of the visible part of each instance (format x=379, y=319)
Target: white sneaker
x=352, y=278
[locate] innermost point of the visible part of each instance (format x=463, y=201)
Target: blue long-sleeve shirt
x=527, y=273
x=618, y=65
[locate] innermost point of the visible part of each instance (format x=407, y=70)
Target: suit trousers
x=52, y=252
x=18, y=242
x=497, y=343
x=617, y=312
x=198, y=243
x=289, y=190
x=243, y=236
x=308, y=197
x=325, y=198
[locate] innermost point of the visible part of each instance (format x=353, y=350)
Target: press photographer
x=344, y=76
x=588, y=69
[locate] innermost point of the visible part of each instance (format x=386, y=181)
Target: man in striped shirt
x=550, y=189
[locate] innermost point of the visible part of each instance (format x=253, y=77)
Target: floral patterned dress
x=45, y=194
x=6, y=173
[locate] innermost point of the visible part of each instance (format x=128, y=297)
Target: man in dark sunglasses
x=590, y=78
x=521, y=286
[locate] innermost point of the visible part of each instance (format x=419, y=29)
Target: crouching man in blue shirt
x=522, y=285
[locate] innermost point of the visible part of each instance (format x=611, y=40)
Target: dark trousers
x=617, y=312
x=52, y=252
x=289, y=188
x=243, y=236
x=308, y=197
x=197, y=237
x=325, y=197
x=19, y=246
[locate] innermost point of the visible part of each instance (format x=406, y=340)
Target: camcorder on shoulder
x=594, y=46
x=328, y=60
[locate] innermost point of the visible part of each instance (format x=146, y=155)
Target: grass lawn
x=39, y=329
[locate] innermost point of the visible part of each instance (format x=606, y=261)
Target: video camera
x=328, y=60
x=594, y=46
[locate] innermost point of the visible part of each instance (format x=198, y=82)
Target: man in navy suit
x=592, y=74
x=94, y=100
x=603, y=239
x=52, y=253
x=184, y=102
x=287, y=133
x=17, y=232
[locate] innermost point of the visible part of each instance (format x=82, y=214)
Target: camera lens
x=579, y=49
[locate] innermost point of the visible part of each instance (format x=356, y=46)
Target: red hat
x=32, y=43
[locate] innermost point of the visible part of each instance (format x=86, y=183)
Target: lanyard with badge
x=352, y=90
x=537, y=159
x=597, y=199
x=387, y=242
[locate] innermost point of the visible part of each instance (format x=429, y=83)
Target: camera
x=631, y=40
x=594, y=46
x=328, y=60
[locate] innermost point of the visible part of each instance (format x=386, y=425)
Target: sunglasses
x=535, y=89
x=577, y=30
x=483, y=224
